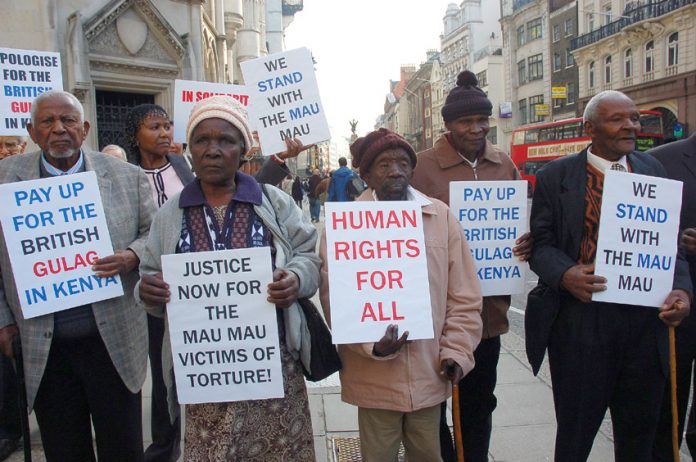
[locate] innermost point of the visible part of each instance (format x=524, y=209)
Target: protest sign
x=493, y=215
x=378, y=271
x=55, y=229
x=223, y=331
x=638, y=233
x=285, y=100
x=188, y=93
x=25, y=75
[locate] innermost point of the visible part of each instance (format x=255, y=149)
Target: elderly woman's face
x=216, y=147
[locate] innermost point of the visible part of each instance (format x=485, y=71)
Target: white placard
x=378, y=272
x=188, y=93
x=285, y=100
x=25, y=75
x=55, y=229
x=493, y=215
x=223, y=331
x=638, y=234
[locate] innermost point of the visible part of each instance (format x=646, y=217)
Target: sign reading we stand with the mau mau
x=285, y=100
x=638, y=235
x=188, y=93
x=25, y=74
x=493, y=215
x=378, y=271
x=223, y=331
x=55, y=229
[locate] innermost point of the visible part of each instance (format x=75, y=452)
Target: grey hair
x=590, y=113
x=117, y=148
x=53, y=93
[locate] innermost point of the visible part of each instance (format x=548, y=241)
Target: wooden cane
x=456, y=414
x=673, y=390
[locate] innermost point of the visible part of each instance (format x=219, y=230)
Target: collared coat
x=127, y=200
x=434, y=171
x=411, y=379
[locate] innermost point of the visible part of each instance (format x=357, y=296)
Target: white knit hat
x=221, y=107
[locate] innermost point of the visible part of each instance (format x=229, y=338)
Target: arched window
x=673, y=49
x=590, y=75
x=649, y=56
x=628, y=63
x=607, y=69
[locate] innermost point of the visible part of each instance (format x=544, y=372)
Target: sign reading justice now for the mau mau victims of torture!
x=638, y=234
x=285, y=100
x=55, y=229
x=223, y=331
x=493, y=215
x=378, y=272
x=25, y=74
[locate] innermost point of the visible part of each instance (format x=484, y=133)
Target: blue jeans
x=314, y=208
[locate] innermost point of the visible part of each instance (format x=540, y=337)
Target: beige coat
x=411, y=379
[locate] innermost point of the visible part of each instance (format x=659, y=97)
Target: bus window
x=650, y=123
x=531, y=167
x=531, y=136
x=518, y=138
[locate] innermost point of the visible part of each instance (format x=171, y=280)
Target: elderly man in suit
x=84, y=366
x=602, y=355
x=679, y=159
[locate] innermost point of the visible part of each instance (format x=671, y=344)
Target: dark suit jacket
x=679, y=160
x=558, y=211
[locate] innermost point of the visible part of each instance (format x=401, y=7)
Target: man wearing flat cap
x=464, y=154
x=398, y=384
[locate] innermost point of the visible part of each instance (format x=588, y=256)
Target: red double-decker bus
x=534, y=146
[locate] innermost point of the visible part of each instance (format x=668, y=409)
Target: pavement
x=524, y=425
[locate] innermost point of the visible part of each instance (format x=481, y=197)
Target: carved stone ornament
x=132, y=31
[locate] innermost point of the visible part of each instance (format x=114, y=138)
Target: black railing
x=632, y=16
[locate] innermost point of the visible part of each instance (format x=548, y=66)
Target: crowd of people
x=85, y=367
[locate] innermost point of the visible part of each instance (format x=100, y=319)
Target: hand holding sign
x=581, y=282
x=121, y=262
x=391, y=343
x=523, y=247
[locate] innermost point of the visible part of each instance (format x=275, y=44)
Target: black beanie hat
x=466, y=99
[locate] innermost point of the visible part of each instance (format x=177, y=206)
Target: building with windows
x=463, y=26
x=646, y=49
x=526, y=56
x=120, y=53
x=488, y=67
x=563, y=25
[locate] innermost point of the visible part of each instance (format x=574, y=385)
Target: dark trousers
x=606, y=356
x=165, y=435
x=10, y=426
x=686, y=355
x=476, y=404
x=80, y=382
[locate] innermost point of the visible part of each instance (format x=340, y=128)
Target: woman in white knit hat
x=208, y=215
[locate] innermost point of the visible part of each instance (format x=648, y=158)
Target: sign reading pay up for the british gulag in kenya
x=55, y=230
x=638, y=235
x=24, y=75
x=378, y=271
x=223, y=331
x=284, y=100
x=493, y=215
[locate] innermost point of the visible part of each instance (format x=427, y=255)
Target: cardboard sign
x=285, y=100
x=638, y=235
x=493, y=215
x=25, y=75
x=55, y=229
x=188, y=93
x=223, y=332
x=378, y=272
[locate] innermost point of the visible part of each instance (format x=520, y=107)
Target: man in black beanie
x=464, y=154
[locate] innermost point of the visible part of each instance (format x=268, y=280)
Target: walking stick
x=22, y=391
x=456, y=414
x=673, y=389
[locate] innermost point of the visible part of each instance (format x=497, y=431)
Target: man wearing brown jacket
x=464, y=154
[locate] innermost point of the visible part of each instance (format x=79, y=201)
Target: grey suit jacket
x=127, y=200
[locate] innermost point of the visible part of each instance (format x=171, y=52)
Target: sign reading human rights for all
x=25, y=74
x=285, y=100
x=493, y=215
x=55, y=229
x=378, y=271
x=638, y=234
x=188, y=93
x=223, y=331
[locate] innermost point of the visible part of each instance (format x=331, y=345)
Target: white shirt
x=602, y=164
